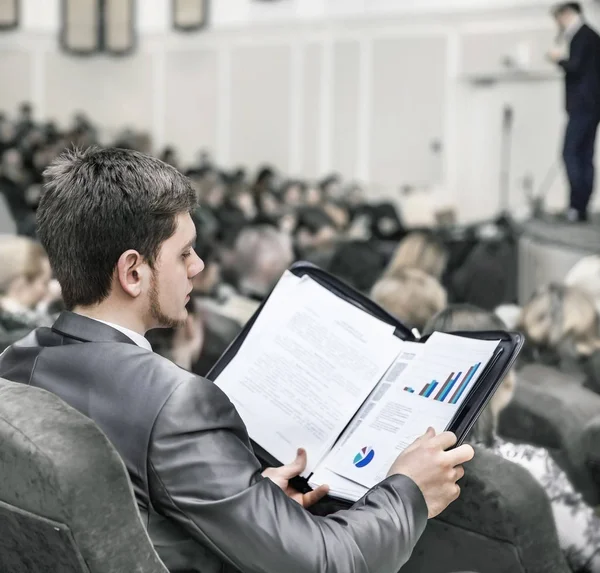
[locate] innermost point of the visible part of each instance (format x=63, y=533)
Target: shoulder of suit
x=123, y=361
x=587, y=30
x=178, y=390
x=168, y=373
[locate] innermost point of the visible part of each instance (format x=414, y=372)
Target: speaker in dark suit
x=580, y=60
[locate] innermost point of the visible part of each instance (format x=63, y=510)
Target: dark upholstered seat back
x=66, y=503
x=590, y=444
x=551, y=409
x=502, y=523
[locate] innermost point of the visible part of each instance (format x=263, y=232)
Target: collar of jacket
x=83, y=329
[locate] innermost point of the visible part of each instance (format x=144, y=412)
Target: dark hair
x=567, y=6
x=358, y=263
x=331, y=179
x=97, y=204
x=313, y=219
x=264, y=173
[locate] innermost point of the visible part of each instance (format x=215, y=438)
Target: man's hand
x=556, y=55
x=433, y=469
x=282, y=476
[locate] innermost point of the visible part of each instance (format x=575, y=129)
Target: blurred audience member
x=577, y=525
x=169, y=155
x=411, y=295
x=13, y=186
x=509, y=314
x=561, y=328
x=261, y=256
x=585, y=276
x=24, y=123
x=7, y=134
x=313, y=196
x=422, y=251
x=358, y=263
x=265, y=180
x=339, y=214
x=331, y=187
x=84, y=131
x=292, y=194
x=314, y=229
x=206, y=282
x=268, y=206
x=263, y=185
x=386, y=224
x=25, y=276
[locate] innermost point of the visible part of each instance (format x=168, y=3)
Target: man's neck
x=114, y=316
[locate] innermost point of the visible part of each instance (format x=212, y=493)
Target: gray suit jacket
x=197, y=481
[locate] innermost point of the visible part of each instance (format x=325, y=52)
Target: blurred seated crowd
x=545, y=418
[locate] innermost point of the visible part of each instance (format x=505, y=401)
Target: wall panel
x=407, y=113
x=192, y=101
x=114, y=92
x=345, y=107
x=311, y=108
x=260, y=105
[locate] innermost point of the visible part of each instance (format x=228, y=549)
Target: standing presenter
x=578, y=53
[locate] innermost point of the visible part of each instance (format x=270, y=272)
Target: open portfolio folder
x=323, y=368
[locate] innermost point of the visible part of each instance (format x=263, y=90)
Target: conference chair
x=66, y=504
x=590, y=444
x=551, y=409
x=501, y=523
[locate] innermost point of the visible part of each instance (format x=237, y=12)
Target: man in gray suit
x=117, y=228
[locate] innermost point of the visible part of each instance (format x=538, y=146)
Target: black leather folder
x=478, y=398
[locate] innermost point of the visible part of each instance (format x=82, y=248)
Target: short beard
x=156, y=313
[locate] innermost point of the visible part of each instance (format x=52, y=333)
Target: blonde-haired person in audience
x=562, y=328
x=422, y=251
x=577, y=525
x=585, y=275
x=411, y=295
x=25, y=277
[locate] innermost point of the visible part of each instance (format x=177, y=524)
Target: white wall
x=333, y=91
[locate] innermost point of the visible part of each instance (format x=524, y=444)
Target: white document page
x=342, y=487
x=279, y=305
x=428, y=393
x=314, y=361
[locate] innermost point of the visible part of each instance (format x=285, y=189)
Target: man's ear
x=132, y=273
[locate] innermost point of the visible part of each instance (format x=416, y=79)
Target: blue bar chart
x=454, y=381
x=464, y=383
x=428, y=389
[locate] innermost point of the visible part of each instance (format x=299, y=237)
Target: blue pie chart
x=364, y=457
